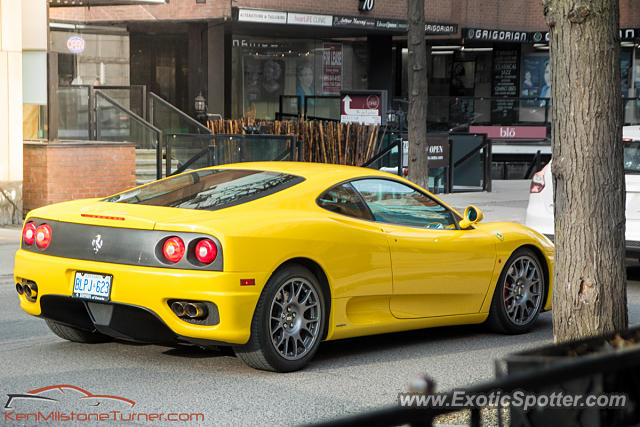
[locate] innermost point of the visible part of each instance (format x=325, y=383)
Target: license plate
x=92, y=286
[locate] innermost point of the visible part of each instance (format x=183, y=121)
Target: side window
x=396, y=203
x=344, y=200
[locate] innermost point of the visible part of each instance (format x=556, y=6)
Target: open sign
x=75, y=44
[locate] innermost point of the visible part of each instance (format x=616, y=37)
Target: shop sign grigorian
x=435, y=28
x=496, y=35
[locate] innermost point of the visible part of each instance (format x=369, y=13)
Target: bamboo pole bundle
x=321, y=141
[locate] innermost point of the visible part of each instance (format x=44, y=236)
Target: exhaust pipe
x=178, y=308
x=19, y=288
x=30, y=290
x=196, y=310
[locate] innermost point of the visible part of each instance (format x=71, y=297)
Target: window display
x=265, y=70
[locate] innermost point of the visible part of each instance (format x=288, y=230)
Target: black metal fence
x=555, y=368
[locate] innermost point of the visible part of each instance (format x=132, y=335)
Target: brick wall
x=175, y=10
x=524, y=15
x=59, y=172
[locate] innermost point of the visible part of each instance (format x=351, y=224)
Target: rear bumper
x=138, y=307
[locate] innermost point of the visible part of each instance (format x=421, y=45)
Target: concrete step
x=152, y=162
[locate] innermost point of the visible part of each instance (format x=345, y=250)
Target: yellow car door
x=437, y=269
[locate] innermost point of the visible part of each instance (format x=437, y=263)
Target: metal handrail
x=139, y=120
x=387, y=150
x=298, y=99
x=143, y=89
x=153, y=97
x=486, y=145
x=192, y=160
x=168, y=151
x=307, y=98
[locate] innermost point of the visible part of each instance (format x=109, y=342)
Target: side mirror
x=472, y=215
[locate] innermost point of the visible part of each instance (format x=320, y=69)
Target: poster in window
x=536, y=80
x=263, y=79
x=331, y=68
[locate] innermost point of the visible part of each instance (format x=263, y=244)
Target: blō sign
x=511, y=132
x=365, y=107
x=75, y=44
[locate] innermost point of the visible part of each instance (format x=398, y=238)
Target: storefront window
x=535, y=82
x=298, y=70
x=93, y=56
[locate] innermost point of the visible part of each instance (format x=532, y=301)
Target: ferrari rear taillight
x=43, y=236
x=173, y=249
x=537, y=182
x=206, y=251
x=29, y=233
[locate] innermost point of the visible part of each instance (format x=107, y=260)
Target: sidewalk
x=9, y=242
x=507, y=202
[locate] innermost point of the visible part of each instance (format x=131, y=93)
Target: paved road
x=346, y=376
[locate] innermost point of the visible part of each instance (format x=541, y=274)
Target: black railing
x=454, y=158
x=397, y=143
x=483, y=148
x=180, y=119
x=230, y=148
x=620, y=368
x=284, y=113
x=130, y=127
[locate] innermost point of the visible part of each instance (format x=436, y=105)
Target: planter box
x=599, y=366
x=60, y=171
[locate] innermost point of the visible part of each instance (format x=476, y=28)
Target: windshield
x=210, y=189
x=632, y=156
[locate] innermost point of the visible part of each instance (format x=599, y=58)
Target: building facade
x=274, y=58
x=244, y=55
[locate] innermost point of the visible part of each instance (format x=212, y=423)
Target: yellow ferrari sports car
x=272, y=258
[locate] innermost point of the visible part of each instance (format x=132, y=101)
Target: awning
x=69, y=3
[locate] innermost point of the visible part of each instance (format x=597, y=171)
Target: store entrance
x=160, y=62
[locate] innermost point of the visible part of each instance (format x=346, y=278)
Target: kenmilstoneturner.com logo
x=50, y=404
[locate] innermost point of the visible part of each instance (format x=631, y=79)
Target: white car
x=540, y=208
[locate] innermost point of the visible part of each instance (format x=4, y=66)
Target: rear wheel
x=70, y=333
x=288, y=322
x=518, y=297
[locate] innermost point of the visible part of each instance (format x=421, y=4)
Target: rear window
x=210, y=189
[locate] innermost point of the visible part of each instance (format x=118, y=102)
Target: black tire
x=70, y=333
x=509, y=300
x=261, y=352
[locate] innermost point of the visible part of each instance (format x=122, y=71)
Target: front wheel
x=288, y=322
x=518, y=297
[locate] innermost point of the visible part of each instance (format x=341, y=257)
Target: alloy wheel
x=522, y=290
x=295, y=317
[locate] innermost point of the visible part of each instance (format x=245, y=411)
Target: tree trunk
x=589, y=283
x=417, y=82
